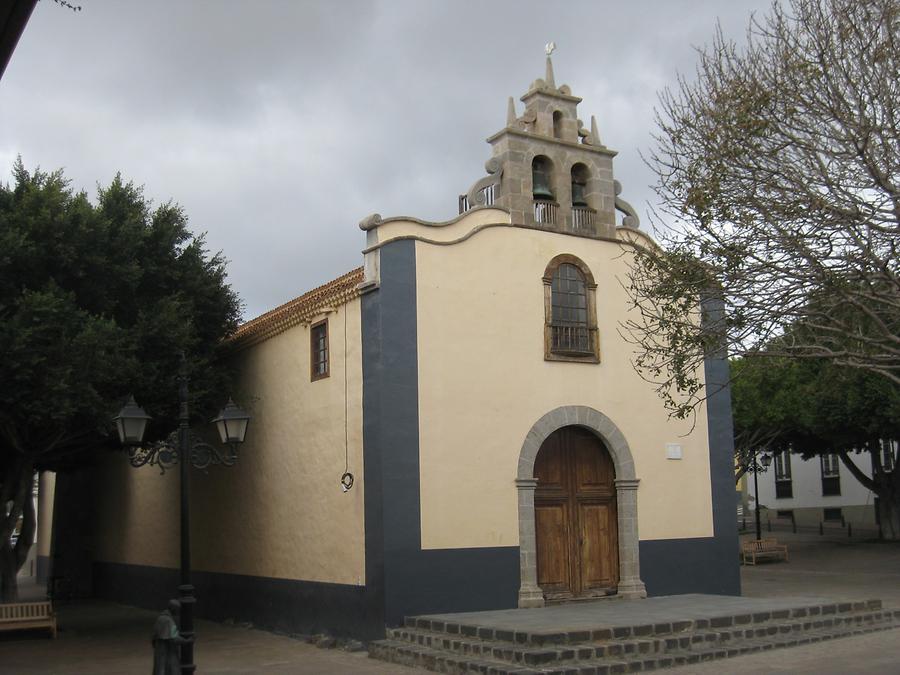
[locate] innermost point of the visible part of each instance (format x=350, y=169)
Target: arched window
x=542, y=178
x=570, y=326
x=557, y=124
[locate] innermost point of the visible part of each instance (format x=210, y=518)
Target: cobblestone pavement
x=820, y=566
x=107, y=639
x=100, y=638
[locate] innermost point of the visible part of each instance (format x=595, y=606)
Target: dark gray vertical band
x=707, y=564
x=403, y=579
x=721, y=453
x=390, y=421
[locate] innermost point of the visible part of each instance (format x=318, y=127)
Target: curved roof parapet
x=631, y=218
x=635, y=237
x=381, y=231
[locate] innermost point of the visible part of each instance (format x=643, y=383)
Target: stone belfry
x=549, y=170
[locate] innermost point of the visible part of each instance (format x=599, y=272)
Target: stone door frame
x=630, y=584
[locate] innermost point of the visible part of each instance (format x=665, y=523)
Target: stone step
x=438, y=661
x=525, y=653
x=455, y=653
x=541, y=638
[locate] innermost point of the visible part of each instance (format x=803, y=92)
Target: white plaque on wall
x=674, y=451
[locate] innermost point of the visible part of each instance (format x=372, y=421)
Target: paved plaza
x=106, y=639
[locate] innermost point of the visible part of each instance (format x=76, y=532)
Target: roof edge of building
x=334, y=293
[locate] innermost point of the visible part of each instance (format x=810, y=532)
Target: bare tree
x=778, y=168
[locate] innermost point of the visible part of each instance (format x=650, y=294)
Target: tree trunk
x=889, y=514
x=886, y=487
x=19, y=492
x=889, y=508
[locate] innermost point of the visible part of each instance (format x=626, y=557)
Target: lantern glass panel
x=232, y=424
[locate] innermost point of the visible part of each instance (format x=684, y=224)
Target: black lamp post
x=186, y=451
x=762, y=465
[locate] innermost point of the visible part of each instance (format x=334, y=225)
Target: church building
x=454, y=426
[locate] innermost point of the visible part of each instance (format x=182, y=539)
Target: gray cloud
x=279, y=125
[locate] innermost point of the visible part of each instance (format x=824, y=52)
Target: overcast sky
x=279, y=125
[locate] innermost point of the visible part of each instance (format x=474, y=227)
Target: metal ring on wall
x=347, y=481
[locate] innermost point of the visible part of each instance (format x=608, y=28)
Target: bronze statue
x=167, y=641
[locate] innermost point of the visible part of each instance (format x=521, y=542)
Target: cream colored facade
x=280, y=512
x=482, y=301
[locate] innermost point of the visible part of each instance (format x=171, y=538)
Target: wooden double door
x=575, y=517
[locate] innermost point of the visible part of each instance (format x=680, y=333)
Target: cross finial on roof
x=548, y=77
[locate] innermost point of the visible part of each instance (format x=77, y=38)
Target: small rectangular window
x=783, y=466
x=831, y=477
x=830, y=467
x=318, y=337
x=783, y=487
x=832, y=514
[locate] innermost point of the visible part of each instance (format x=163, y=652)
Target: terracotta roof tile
x=333, y=294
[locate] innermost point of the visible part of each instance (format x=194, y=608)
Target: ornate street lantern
x=232, y=423
x=131, y=423
x=182, y=447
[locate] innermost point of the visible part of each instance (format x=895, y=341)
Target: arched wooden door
x=575, y=517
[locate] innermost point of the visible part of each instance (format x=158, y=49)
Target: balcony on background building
x=545, y=212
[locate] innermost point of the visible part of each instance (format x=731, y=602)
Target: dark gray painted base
x=42, y=568
x=677, y=566
x=452, y=580
x=282, y=605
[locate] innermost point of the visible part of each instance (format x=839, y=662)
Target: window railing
x=569, y=339
x=583, y=219
x=489, y=195
x=545, y=212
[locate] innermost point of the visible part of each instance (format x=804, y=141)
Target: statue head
x=174, y=607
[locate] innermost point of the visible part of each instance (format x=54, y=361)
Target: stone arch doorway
x=575, y=525
x=626, y=483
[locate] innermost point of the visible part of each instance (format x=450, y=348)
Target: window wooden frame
x=590, y=288
x=314, y=351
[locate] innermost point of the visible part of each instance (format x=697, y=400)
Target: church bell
x=541, y=181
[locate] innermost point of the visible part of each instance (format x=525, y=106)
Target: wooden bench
x=25, y=615
x=752, y=549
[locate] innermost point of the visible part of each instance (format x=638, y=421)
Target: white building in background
x=820, y=489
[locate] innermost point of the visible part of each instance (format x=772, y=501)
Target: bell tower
x=549, y=170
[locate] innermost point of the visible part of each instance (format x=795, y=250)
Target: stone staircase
x=444, y=646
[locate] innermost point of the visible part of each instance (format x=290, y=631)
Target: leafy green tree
x=814, y=407
x=96, y=301
x=777, y=170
